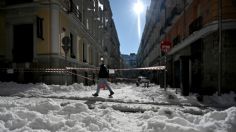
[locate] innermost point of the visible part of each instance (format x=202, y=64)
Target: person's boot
x=95, y=95
x=111, y=93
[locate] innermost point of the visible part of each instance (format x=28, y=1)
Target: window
x=40, y=28
x=176, y=40
x=68, y=5
x=14, y=2
x=87, y=23
x=195, y=25
x=84, y=53
x=72, y=55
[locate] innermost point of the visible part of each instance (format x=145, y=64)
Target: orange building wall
x=208, y=9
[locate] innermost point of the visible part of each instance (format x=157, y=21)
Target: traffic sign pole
x=165, y=47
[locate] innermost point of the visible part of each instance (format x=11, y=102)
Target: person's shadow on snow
x=90, y=103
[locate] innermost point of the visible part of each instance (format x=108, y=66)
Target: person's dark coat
x=103, y=72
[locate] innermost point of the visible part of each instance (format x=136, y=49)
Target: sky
x=126, y=22
x=59, y=108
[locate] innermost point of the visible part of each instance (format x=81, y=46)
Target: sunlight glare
x=138, y=7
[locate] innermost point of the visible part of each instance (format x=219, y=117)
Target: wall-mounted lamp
x=101, y=26
x=102, y=59
x=97, y=19
x=89, y=9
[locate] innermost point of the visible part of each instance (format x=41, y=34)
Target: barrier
x=69, y=69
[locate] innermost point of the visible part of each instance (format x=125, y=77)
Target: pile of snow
x=223, y=100
x=175, y=121
x=52, y=115
x=124, y=92
x=132, y=109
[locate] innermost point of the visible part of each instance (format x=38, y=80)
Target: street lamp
x=66, y=47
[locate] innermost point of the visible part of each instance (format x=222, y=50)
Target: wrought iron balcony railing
x=195, y=25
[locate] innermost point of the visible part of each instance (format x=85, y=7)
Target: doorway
x=22, y=43
x=197, y=60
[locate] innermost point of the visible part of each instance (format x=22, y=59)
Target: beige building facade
x=31, y=34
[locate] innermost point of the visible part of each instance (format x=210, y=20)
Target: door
x=177, y=74
x=184, y=75
x=196, y=71
x=23, y=43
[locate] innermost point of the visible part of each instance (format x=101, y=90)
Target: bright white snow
x=46, y=108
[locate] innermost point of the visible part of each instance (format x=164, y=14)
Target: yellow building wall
x=78, y=43
x=90, y=55
x=81, y=50
x=43, y=46
x=64, y=31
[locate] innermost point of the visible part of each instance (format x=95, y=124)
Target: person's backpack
x=104, y=72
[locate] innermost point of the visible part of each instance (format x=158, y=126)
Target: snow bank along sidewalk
x=123, y=93
x=47, y=114
x=44, y=115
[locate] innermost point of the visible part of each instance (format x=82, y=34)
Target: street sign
x=165, y=45
x=111, y=71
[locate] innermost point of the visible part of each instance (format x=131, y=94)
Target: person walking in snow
x=103, y=75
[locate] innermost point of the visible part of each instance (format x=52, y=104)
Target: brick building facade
x=192, y=27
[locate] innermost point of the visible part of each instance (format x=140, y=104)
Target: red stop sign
x=165, y=45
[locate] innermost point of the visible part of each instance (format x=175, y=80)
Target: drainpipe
x=184, y=26
x=220, y=46
x=165, y=56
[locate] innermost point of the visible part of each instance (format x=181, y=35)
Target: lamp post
x=66, y=48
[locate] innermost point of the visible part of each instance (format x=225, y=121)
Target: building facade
x=203, y=43
x=130, y=61
x=32, y=33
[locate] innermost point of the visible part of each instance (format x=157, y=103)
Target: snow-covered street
x=43, y=108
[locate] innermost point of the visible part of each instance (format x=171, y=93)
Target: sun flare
x=138, y=7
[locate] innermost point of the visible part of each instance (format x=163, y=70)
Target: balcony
x=163, y=6
x=158, y=19
x=71, y=8
x=195, y=25
x=155, y=61
x=176, y=40
x=174, y=12
x=162, y=31
x=168, y=22
x=76, y=12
